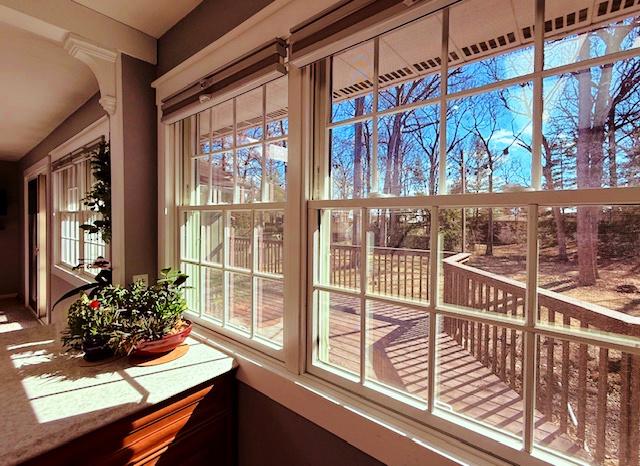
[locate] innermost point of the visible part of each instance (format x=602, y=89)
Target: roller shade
x=77, y=155
x=253, y=69
x=350, y=22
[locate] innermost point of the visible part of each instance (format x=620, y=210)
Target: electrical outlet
x=141, y=278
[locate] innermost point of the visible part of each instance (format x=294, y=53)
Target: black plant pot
x=96, y=350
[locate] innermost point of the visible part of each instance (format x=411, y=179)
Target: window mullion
x=434, y=241
x=536, y=162
x=444, y=75
x=373, y=165
x=531, y=310
x=364, y=216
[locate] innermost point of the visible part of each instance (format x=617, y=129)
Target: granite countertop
x=49, y=397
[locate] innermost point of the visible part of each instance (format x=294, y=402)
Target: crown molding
x=102, y=62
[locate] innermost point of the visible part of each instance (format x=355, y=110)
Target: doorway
x=36, y=244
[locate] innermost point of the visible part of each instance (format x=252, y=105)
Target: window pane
x=590, y=128
x=240, y=232
x=485, y=268
x=479, y=370
x=409, y=64
x=398, y=249
x=270, y=309
x=190, y=236
x=221, y=178
x=213, y=284
x=249, y=117
x=397, y=345
x=201, y=179
x=408, y=149
x=275, y=176
x=489, y=43
x=339, y=255
x=277, y=108
x=269, y=235
x=350, y=160
x=204, y=132
x=339, y=330
x=249, y=160
x=588, y=272
x=606, y=34
x=191, y=289
x=240, y=301
x=489, y=141
x=222, y=126
x=352, y=82
x=586, y=403
x=212, y=237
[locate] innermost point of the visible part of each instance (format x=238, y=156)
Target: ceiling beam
x=56, y=19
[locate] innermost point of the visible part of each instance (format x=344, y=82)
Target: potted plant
x=91, y=328
x=152, y=318
x=139, y=319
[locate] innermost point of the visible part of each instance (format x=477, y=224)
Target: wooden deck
x=398, y=358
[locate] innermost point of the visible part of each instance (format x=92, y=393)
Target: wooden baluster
x=625, y=379
x=601, y=413
x=582, y=389
x=503, y=341
x=413, y=271
x=564, y=395
x=426, y=276
x=484, y=303
x=537, y=378
x=513, y=342
x=550, y=367
x=634, y=411
x=494, y=303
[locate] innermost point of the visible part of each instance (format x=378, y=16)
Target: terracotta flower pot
x=167, y=343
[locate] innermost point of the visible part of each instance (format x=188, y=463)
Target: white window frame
x=96, y=130
x=248, y=338
x=523, y=452
x=289, y=380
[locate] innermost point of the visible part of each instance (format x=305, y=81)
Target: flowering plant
x=90, y=323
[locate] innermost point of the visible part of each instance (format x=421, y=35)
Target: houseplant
x=139, y=319
x=91, y=325
x=152, y=321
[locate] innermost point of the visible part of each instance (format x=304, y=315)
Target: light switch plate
x=141, y=278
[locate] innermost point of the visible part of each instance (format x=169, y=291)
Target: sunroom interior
x=354, y=232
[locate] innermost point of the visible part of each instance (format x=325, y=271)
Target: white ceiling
x=153, y=17
x=40, y=86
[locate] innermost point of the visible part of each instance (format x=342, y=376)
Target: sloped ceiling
x=40, y=86
x=153, y=17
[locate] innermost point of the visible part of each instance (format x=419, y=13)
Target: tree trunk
x=584, y=179
x=358, y=147
x=613, y=162
x=558, y=217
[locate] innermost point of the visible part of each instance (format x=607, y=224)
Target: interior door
x=37, y=211
x=32, y=210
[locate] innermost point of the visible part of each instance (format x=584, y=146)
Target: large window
x=234, y=170
x=449, y=282
x=75, y=249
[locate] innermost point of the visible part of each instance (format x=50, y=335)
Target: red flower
x=95, y=304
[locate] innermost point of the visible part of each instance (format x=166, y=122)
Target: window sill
x=381, y=433
x=75, y=279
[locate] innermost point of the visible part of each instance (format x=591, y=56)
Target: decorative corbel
x=102, y=63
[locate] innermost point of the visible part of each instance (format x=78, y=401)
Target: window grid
x=250, y=335
x=72, y=243
x=532, y=329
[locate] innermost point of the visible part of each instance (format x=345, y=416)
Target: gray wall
x=209, y=21
x=271, y=435
x=140, y=168
x=87, y=113
x=10, y=257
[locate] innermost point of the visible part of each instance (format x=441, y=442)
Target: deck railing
x=591, y=392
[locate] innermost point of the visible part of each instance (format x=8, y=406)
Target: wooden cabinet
x=192, y=428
